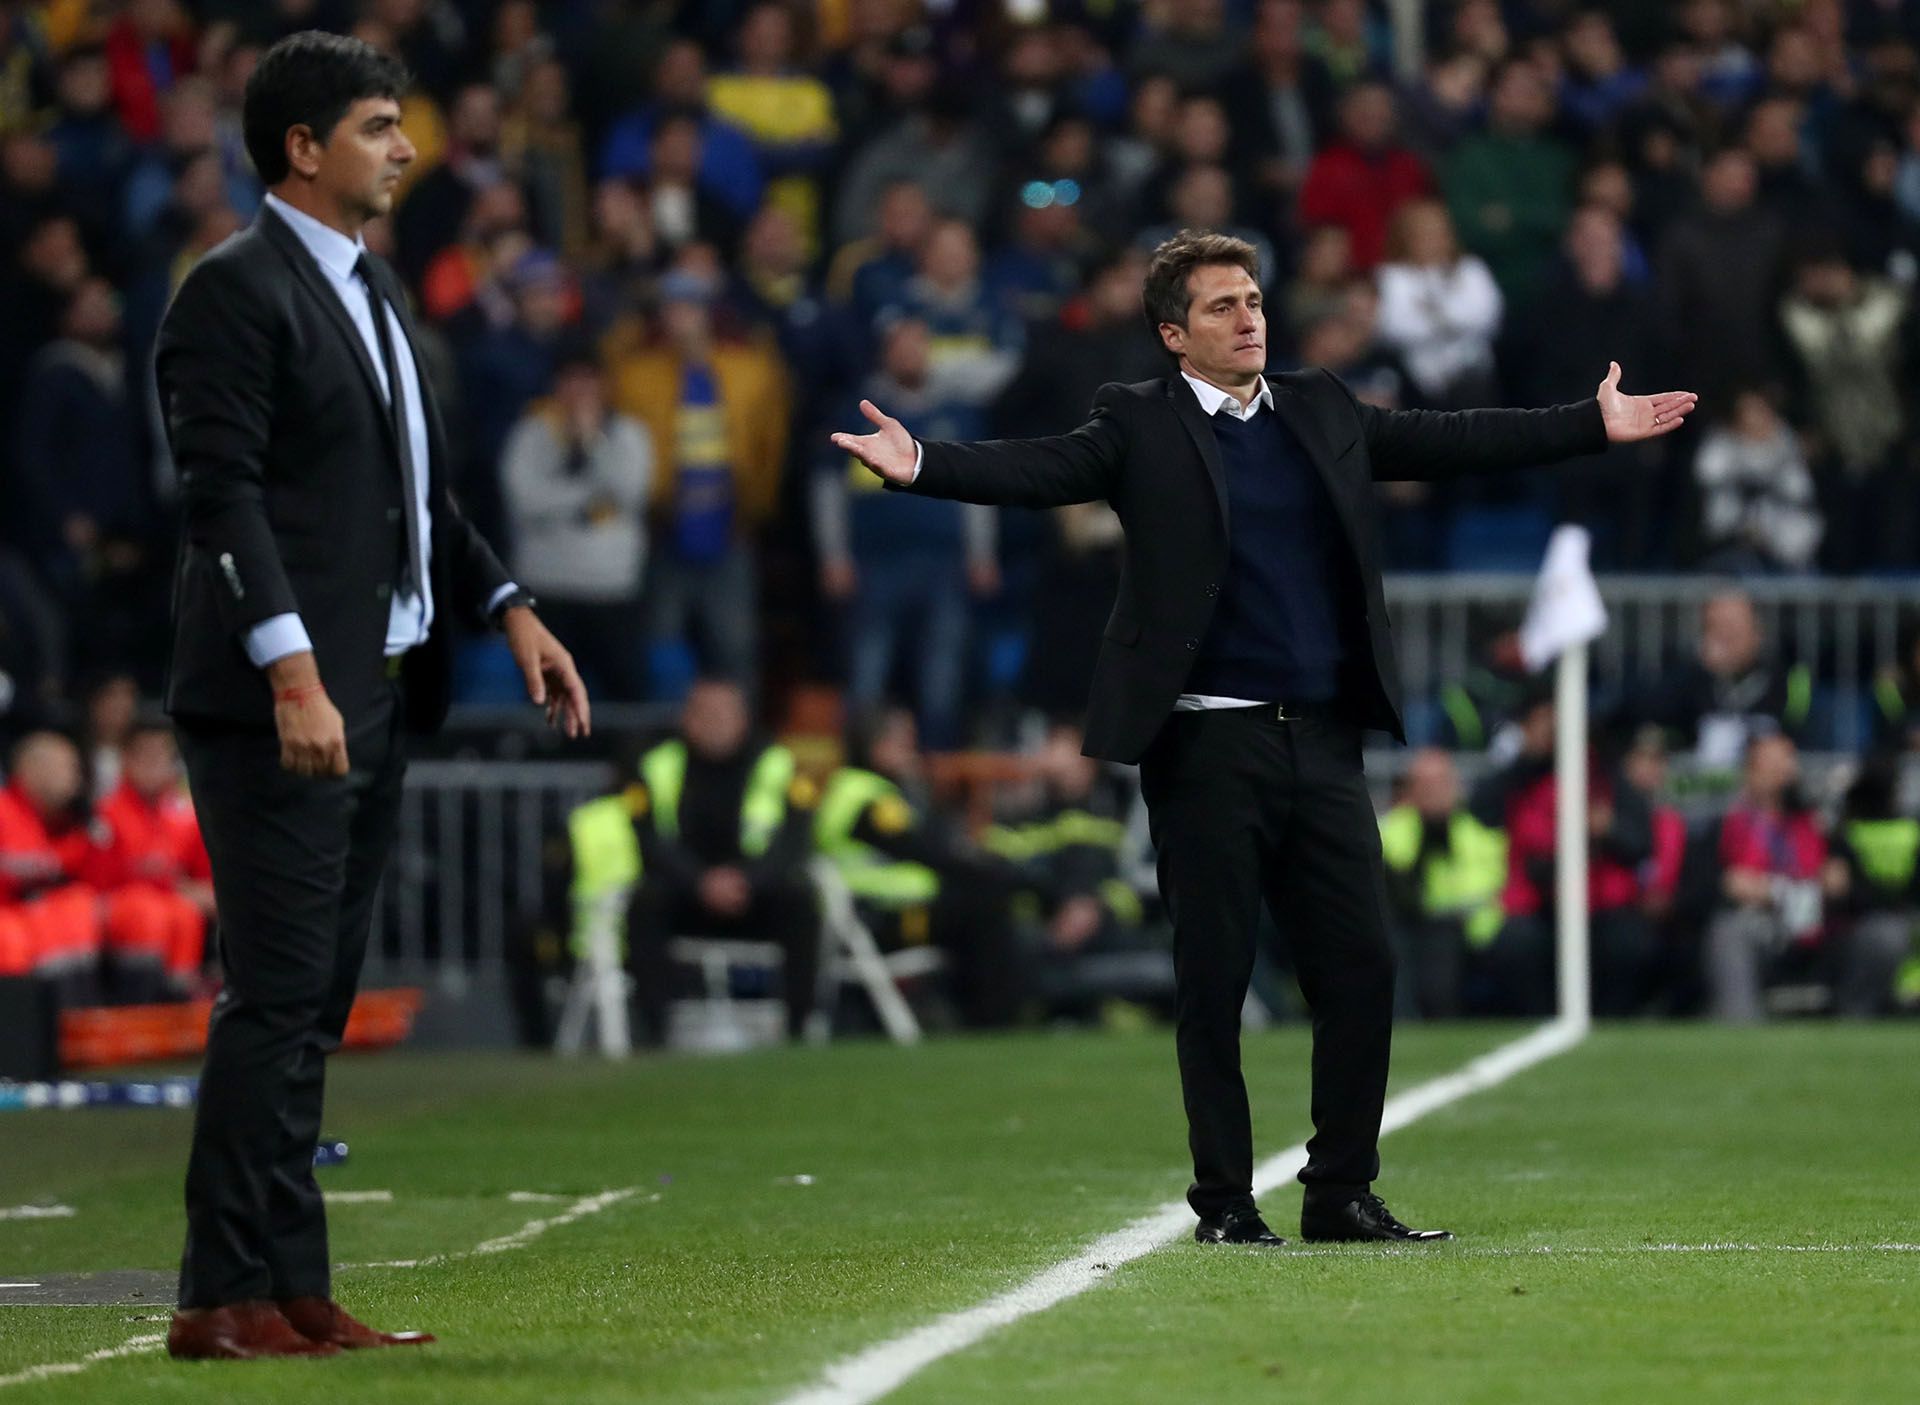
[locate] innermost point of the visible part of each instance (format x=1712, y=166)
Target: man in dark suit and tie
x=321, y=565
x=1247, y=650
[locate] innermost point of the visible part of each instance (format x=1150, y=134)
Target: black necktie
x=397, y=413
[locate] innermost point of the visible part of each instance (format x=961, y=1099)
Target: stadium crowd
x=658, y=249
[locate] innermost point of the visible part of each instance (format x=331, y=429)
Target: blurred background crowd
x=659, y=249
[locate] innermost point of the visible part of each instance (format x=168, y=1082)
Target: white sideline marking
x=523, y=1236
x=870, y=1374
x=359, y=1197
x=535, y=1197
x=132, y=1346
x=38, y=1212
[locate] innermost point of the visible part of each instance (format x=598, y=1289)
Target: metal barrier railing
x=1847, y=631
x=468, y=865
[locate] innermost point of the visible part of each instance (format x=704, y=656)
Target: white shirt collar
x=1212, y=398
x=331, y=249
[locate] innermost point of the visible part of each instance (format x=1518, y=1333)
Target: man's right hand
x=725, y=890
x=888, y=451
x=313, y=738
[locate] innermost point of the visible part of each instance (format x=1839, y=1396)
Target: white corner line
x=37, y=1212
x=132, y=1346
x=868, y=1375
x=520, y=1238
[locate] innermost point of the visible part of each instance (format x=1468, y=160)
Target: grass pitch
x=1665, y=1213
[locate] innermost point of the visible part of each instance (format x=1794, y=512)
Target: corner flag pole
x=1563, y=618
x=1570, y=833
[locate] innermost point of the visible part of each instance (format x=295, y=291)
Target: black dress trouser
x=297, y=862
x=1245, y=807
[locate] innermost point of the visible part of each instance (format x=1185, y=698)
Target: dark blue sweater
x=1286, y=623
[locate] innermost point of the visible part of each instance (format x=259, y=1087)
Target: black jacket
x=290, y=488
x=1149, y=451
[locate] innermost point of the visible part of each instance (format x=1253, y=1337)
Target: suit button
x=393, y=514
x=1192, y=644
x=382, y=591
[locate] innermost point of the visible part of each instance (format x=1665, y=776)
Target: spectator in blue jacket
x=902, y=565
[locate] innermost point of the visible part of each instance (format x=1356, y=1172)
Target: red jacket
x=1661, y=873
x=1613, y=881
x=136, y=70
x=33, y=857
x=1787, y=843
x=143, y=841
x=1360, y=192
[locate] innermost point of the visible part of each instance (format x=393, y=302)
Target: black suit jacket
x=290, y=488
x=1149, y=451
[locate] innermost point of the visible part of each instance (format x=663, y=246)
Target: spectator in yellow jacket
x=718, y=416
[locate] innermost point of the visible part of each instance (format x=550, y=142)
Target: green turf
x=946, y=1173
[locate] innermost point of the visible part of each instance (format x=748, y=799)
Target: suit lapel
x=1186, y=406
x=295, y=253
x=1291, y=406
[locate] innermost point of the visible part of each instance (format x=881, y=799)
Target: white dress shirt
x=410, y=616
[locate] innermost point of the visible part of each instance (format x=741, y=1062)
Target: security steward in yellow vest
x=723, y=824
x=1070, y=846
x=912, y=880
x=1444, y=874
x=1873, y=891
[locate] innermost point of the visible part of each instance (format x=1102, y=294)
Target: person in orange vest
x=151, y=864
x=50, y=917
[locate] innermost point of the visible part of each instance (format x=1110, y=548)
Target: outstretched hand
x=1634, y=417
x=888, y=451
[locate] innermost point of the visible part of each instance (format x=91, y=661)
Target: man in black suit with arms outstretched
x=1248, y=649
x=321, y=565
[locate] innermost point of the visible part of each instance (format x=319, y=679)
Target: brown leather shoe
x=238, y=1332
x=323, y=1320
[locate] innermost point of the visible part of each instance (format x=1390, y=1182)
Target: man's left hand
x=552, y=680
x=1630, y=418
x=1075, y=924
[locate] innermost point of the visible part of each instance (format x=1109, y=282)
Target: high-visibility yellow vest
x=1070, y=829
x=867, y=872
x=1887, y=849
x=762, y=811
x=1465, y=882
x=606, y=859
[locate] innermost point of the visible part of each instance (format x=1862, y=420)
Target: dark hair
x=1165, y=296
x=309, y=80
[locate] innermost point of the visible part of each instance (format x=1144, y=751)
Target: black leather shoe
x=1235, y=1227
x=1364, y=1218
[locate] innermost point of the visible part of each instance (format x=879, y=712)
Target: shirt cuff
x=917, y=456
x=276, y=637
x=493, y=600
